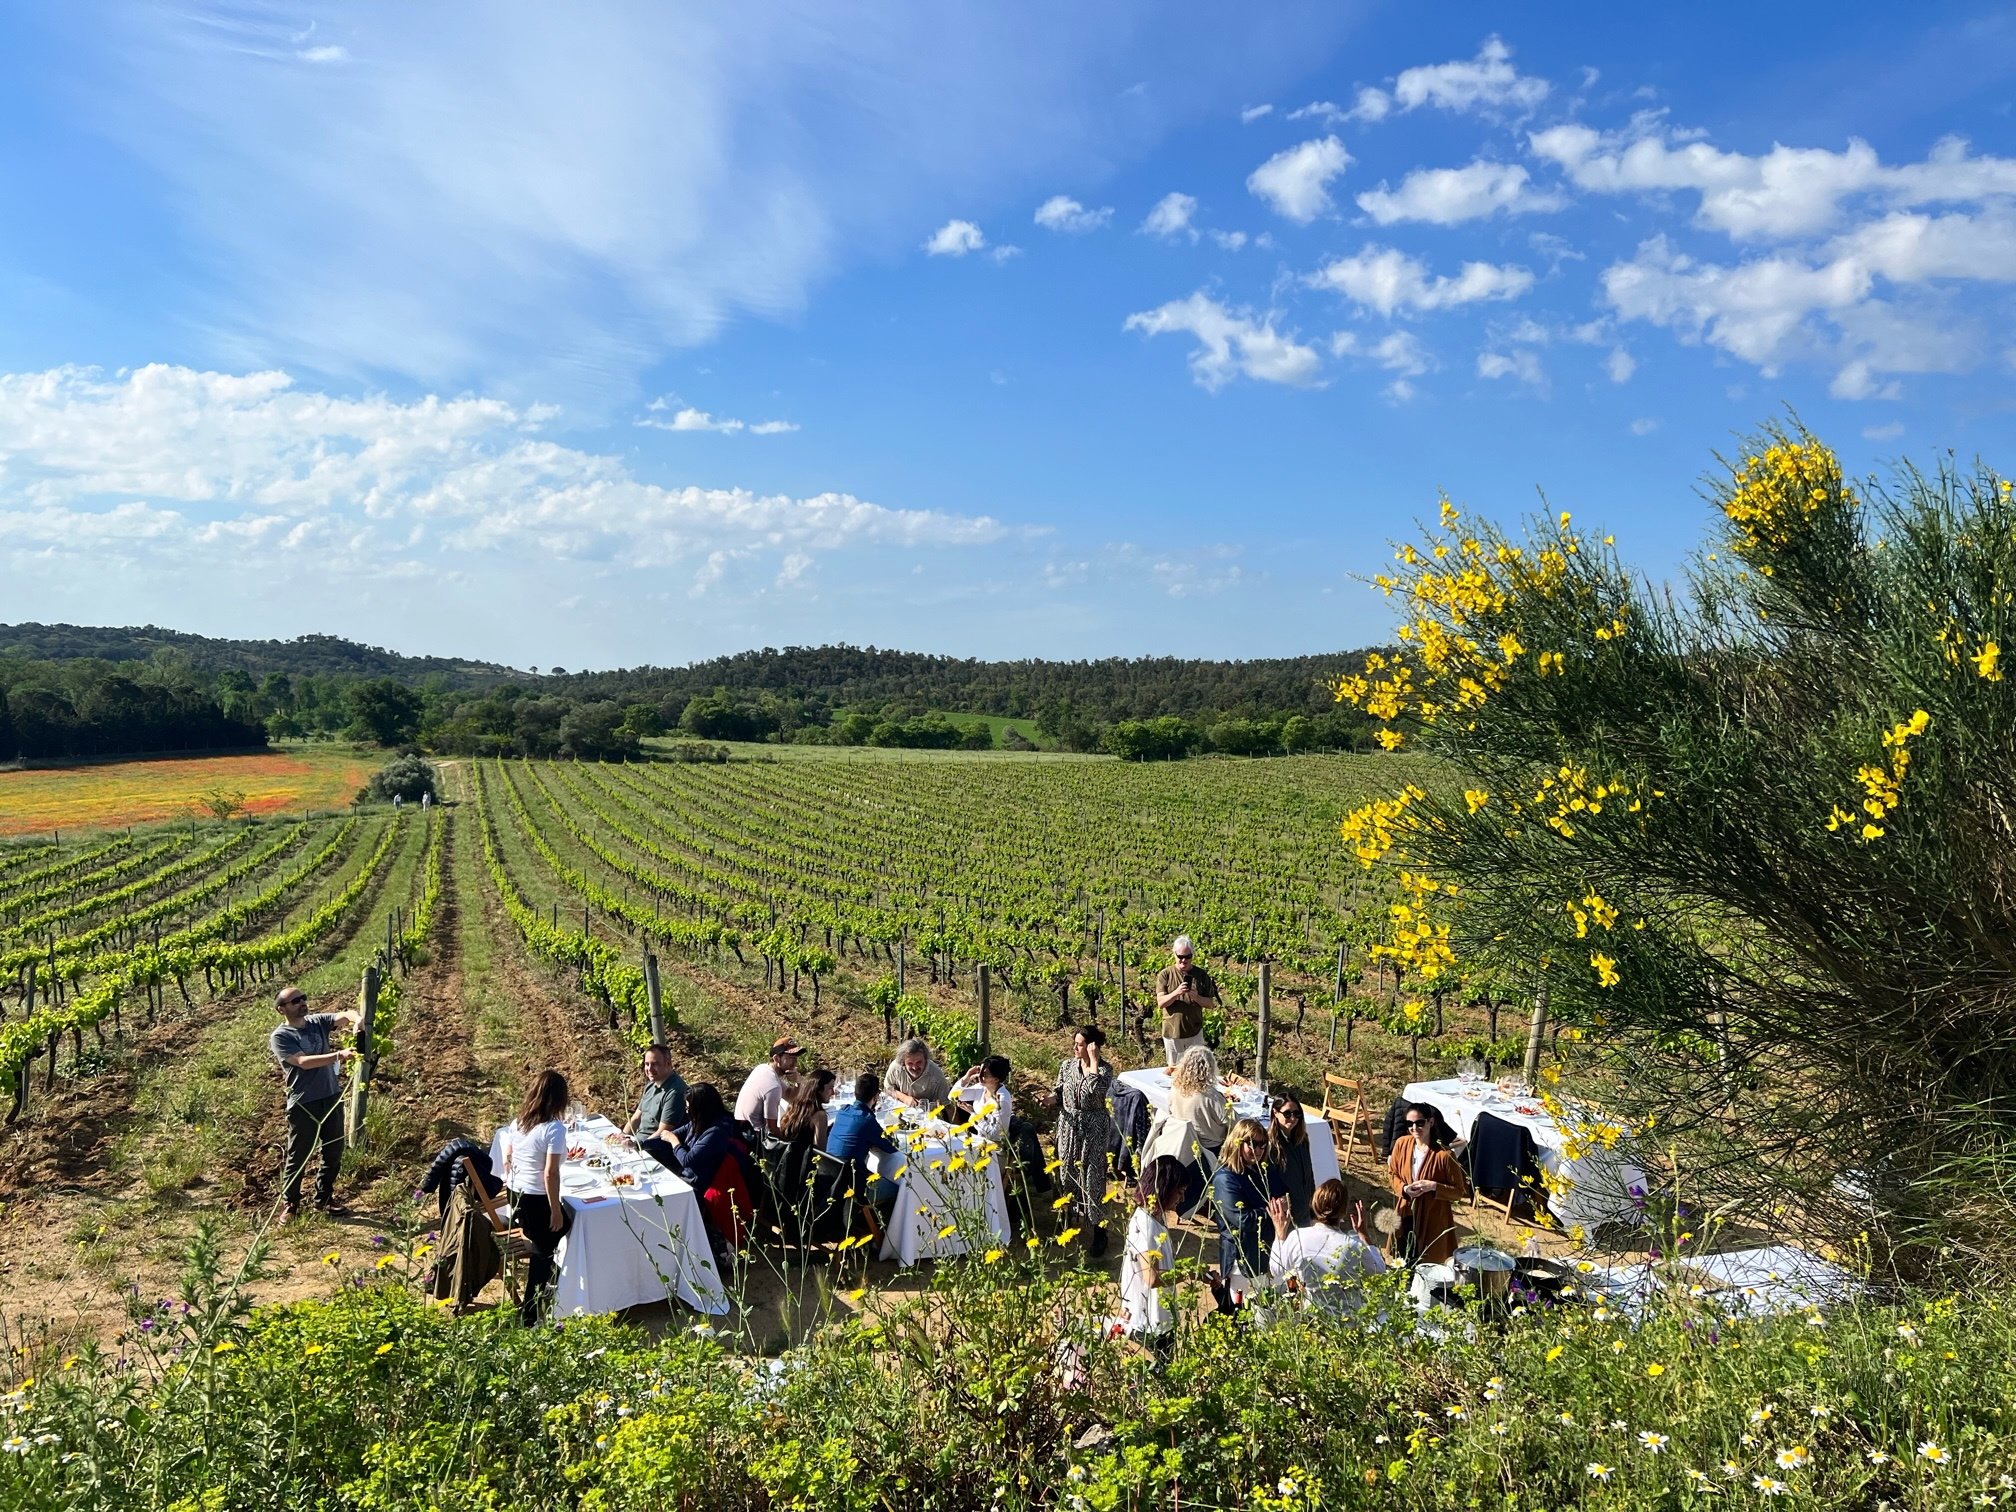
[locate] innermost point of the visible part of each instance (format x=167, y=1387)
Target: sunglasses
x=293, y=1002
x=1182, y=958
x=1291, y=1114
x=1417, y=1123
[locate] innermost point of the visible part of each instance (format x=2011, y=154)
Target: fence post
x=1264, y=1034
x=652, y=998
x=986, y=1006
x=367, y=1059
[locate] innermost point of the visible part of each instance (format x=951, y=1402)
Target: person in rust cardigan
x=1429, y=1184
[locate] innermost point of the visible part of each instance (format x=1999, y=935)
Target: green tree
x=383, y=711
x=1755, y=834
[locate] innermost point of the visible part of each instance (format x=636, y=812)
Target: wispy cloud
x=669, y=415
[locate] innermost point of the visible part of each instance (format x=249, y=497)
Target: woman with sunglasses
x=1429, y=1183
x=1288, y=1159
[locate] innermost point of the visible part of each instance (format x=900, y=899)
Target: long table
x=632, y=1244
x=949, y=1181
x=1597, y=1185
x=1152, y=1082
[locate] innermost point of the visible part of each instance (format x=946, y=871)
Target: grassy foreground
x=997, y=1388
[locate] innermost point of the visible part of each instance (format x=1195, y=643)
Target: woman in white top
x=534, y=1147
x=1149, y=1253
x=1321, y=1260
x=1193, y=1126
x=985, y=1087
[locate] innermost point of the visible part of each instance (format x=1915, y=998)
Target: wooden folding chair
x=512, y=1245
x=1344, y=1110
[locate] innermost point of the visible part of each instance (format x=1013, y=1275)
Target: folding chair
x=512, y=1245
x=1344, y=1110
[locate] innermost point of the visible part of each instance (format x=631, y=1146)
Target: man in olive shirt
x=661, y=1107
x=314, y=1095
x=1183, y=991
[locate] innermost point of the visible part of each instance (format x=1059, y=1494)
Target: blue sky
x=578, y=336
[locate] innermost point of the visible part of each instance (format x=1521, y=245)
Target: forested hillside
x=68, y=691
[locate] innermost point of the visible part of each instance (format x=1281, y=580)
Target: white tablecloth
x=628, y=1245
x=935, y=1163
x=1595, y=1187
x=1777, y=1278
x=1152, y=1082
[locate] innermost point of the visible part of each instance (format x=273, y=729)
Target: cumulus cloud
x=1485, y=82
x=955, y=238
x=1060, y=212
x=686, y=418
x=1786, y=193
x=1230, y=343
x=1389, y=281
x=1399, y=352
x=1295, y=181
x=1171, y=217
x=1449, y=196
x=1620, y=365
x=1521, y=364
x=210, y=466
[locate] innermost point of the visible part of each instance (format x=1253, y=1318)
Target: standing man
x=661, y=1107
x=761, y=1101
x=1183, y=991
x=314, y=1096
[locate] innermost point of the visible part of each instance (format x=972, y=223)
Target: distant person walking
x=308, y=1063
x=1183, y=991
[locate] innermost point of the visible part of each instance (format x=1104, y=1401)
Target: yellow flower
x=313, y=1349
x=386, y=1260
x=1556, y=1352
x=1655, y=1371
x=383, y=1349
x=992, y=1255
x=332, y=1257
x=948, y=1231
x=1061, y=1202
x=1984, y=662
x=857, y=1294
x=225, y=1348
x=1606, y=969
x=1067, y=1236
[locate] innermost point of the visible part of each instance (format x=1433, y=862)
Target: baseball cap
x=785, y=1045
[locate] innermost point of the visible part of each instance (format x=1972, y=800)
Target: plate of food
x=575, y=1152
x=623, y=1179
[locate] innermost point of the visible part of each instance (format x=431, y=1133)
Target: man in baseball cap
x=761, y=1100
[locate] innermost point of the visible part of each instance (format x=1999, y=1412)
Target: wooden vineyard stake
x=367, y=1059
x=652, y=998
x=986, y=1015
x=1263, y=1036
x=1535, y=1035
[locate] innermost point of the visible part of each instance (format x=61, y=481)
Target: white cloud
x=1397, y=351
x=1886, y=432
x=686, y=418
x=1449, y=196
x=324, y=54
x=1486, y=82
x=228, y=468
x=1060, y=212
x=1620, y=365
x=1370, y=105
x=1232, y=241
x=1858, y=380
x=1388, y=280
x=1253, y=113
x=1230, y=343
x=1644, y=426
x=1295, y=181
x=1171, y=216
x=1399, y=391
x=1786, y=193
x=955, y=239
x=1521, y=364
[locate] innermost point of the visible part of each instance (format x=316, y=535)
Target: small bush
x=407, y=777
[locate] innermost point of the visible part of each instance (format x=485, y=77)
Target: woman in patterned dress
x=1085, y=1131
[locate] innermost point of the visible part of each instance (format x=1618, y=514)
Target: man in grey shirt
x=914, y=1078
x=308, y=1063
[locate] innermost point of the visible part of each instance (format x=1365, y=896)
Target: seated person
x=759, y=1107
x=857, y=1131
x=914, y=1078
x=992, y=1103
x=1323, y=1260
x=709, y=1151
x=1240, y=1189
x=804, y=1117
x=1193, y=1126
x=661, y=1106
